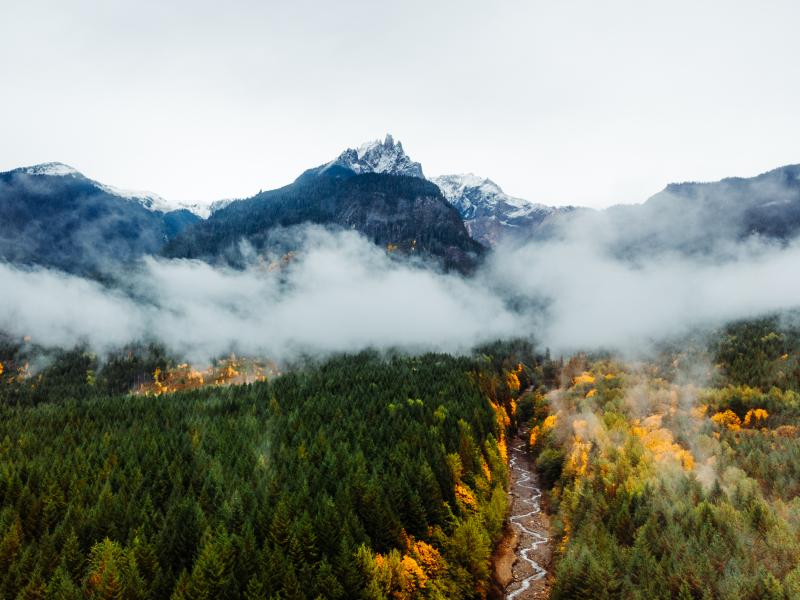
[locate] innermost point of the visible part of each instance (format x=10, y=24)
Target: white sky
x=561, y=102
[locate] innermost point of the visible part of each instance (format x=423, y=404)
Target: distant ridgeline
x=697, y=218
x=362, y=477
x=51, y=215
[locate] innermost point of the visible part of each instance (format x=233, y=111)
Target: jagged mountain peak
x=388, y=144
x=375, y=156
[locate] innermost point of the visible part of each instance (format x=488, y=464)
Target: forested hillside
x=53, y=216
x=666, y=488
x=363, y=477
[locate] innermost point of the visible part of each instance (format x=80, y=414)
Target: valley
x=546, y=347
x=330, y=390
x=582, y=473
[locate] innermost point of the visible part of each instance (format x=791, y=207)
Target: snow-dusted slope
x=55, y=169
x=149, y=200
x=488, y=212
x=476, y=196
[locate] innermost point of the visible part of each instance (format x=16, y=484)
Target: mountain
x=693, y=218
x=52, y=215
x=387, y=157
x=766, y=205
x=375, y=189
x=490, y=214
x=404, y=214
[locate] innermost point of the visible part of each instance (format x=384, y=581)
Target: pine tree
x=212, y=576
x=104, y=576
x=280, y=527
x=292, y=590
x=255, y=590
x=247, y=555
x=62, y=586
x=10, y=545
x=325, y=583
x=181, y=590
x=34, y=590
x=146, y=559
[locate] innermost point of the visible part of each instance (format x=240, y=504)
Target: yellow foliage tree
x=427, y=557
x=728, y=419
x=513, y=381
x=660, y=442
x=400, y=576
x=583, y=378
x=755, y=416
x=465, y=495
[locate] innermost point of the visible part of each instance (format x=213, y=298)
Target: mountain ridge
x=401, y=213
x=55, y=216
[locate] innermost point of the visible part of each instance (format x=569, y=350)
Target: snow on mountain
x=55, y=169
x=387, y=157
x=220, y=204
x=477, y=196
x=203, y=210
x=487, y=211
x=149, y=200
x=473, y=196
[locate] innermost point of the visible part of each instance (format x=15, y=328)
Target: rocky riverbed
x=524, y=553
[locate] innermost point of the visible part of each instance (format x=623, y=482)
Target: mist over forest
x=338, y=292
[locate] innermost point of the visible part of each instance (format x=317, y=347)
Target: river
x=531, y=524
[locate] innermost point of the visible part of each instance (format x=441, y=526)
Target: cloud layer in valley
x=341, y=293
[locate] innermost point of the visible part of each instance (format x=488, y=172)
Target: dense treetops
x=362, y=477
x=662, y=488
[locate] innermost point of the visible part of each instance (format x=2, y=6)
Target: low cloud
x=594, y=299
x=342, y=293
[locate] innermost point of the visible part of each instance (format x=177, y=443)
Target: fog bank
x=342, y=293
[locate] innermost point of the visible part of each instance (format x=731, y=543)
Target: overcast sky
x=568, y=102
